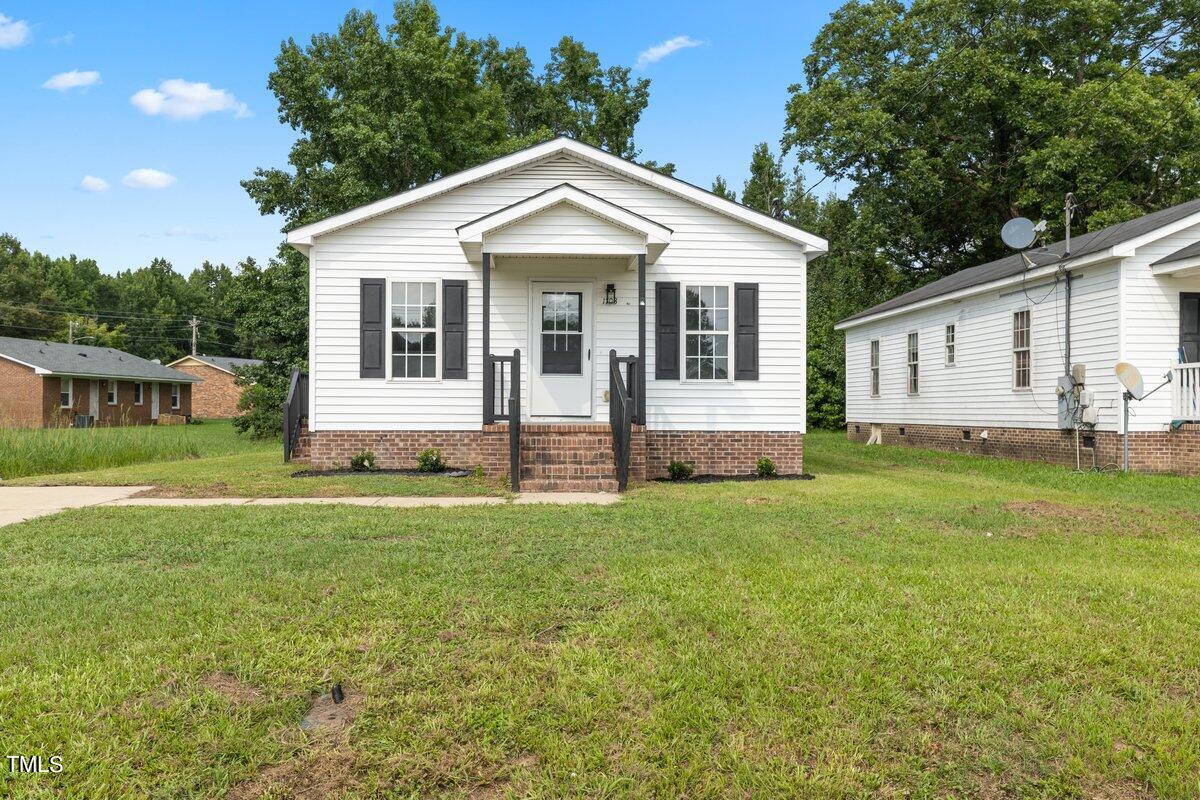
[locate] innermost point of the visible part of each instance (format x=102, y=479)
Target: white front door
x=560, y=369
x=154, y=401
x=94, y=402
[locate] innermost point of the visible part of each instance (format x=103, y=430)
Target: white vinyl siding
x=978, y=392
x=410, y=244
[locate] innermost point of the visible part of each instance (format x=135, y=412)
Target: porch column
x=489, y=410
x=640, y=412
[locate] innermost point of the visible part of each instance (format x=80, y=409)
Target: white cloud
x=75, y=79
x=180, y=99
x=66, y=38
x=91, y=183
x=13, y=32
x=146, y=178
x=663, y=49
x=179, y=230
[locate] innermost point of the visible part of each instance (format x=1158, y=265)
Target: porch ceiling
x=564, y=221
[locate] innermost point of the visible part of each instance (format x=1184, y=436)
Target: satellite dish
x=1130, y=377
x=1018, y=233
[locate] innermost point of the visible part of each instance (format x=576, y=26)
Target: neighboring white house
x=973, y=362
x=564, y=253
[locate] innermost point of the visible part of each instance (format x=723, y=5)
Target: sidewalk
x=19, y=503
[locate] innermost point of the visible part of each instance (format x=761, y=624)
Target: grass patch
x=40, y=451
x=230, y=465
x=904, y=626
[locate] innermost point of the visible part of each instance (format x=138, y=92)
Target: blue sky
x=171, y=151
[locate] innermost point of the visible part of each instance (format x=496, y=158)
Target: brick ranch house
x=1018, y=359
x=217, y=397
x=561, y=316
x=46, y=384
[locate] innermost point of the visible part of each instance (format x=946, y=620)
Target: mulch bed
x=735, y=478
x=414, y=473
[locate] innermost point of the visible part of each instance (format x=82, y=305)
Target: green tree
x=766, y=183
x=949, y=117
x=721, y=189
x=271, y=308
x=382, y=111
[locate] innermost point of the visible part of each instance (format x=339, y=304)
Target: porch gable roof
x=648, y=236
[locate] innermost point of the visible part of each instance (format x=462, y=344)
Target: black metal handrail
x=623, y=392
x=502, y=401
x=295, y=411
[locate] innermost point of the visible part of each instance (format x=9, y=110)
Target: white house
x=548, y=300
x=974, y=362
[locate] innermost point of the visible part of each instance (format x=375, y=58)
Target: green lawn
x=229, y=465
x=906, y=625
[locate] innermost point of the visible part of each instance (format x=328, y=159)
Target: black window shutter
x=666, y=330
x=370, y=328
x=745, y=333
x=454, y=330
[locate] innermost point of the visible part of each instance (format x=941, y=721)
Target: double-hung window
x=706, y=325
x=112, y=393
x=137, y=393
x=874, y=368
x=914, y=366
x=65, y=394
x=951, y=355
x=414, y=324
x=1022, y=359
x=174, y=396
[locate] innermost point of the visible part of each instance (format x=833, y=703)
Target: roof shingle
x=60, y=358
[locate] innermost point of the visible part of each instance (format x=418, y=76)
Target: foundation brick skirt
x=1176, y=451
x=569, y=457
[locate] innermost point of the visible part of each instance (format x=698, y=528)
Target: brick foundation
x=724, y=452
x=1175, y=451
x=566, y=457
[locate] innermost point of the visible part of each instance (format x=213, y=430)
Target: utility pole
x=71, y=331
x=195, y=323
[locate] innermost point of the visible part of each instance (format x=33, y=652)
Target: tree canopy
x=382, y=110
x=950, y=117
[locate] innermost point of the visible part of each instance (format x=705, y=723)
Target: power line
x=185, y=321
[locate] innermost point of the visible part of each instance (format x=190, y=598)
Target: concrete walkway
x=18, y=503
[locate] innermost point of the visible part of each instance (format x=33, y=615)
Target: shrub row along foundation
x=566, y=456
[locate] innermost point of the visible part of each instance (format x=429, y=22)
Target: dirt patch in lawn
x=313, y=776
x=329, y=720
x=232, y=688
x=499, y=785
x=324, y=768
x=1047, y=509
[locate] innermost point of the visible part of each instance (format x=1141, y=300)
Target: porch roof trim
x=472, y=235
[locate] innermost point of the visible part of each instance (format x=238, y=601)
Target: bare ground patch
x=232, y=688
x=1048, y=509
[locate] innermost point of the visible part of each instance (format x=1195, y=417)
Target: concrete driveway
x=19, y=503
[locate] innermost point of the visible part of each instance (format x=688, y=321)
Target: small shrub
x=765, y=468
x=478, y=471
x=363, y=462
x=262, y=413
x=431, y=460
x=680, y=470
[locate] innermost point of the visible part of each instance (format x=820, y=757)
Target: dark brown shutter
x=745, y=333
x=454, y=330
x=666, y=330
x=370, y=328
